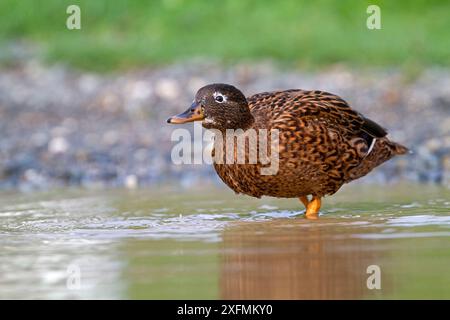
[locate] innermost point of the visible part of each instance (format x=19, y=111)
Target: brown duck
x=322, y=142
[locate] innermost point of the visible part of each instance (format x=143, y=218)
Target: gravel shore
x=64, y=127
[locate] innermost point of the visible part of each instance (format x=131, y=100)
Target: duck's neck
x=246, y=121
x=243, y=121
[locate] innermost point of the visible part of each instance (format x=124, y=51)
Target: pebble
x=58, y=145
x=131, y=181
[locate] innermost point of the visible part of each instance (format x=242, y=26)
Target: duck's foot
x=312, y=207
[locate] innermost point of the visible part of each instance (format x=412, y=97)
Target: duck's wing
x=316, y=106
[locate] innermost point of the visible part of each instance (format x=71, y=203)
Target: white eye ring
x=220, y=98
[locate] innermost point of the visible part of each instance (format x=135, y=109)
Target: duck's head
x=218, y=106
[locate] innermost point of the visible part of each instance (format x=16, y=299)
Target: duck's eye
x=219, y=98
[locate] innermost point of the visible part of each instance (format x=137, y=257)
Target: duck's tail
x=397, y=148
x=381, y=151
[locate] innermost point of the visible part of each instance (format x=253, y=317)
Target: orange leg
x=305, y=201
x=312, y=210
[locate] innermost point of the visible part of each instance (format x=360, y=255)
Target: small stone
x=58, y=145
x=111, y=137
x=131, y=181
x=167, y=89
x=140, y=90
x=88, y=83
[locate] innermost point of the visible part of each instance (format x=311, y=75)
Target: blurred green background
x=126, y=34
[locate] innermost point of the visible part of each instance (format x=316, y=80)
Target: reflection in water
x=204, y=245
x=58, y=268
x=48, y=250
x=292, y=259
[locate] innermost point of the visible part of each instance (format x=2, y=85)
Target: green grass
x=124, y=34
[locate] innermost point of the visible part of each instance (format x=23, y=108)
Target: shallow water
x=210, y=243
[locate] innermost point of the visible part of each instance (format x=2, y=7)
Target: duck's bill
x=194, y=113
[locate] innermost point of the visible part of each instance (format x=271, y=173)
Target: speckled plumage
x=323, y=143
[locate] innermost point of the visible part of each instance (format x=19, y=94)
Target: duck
x=322, y=143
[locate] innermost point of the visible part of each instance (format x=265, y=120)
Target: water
x=210, y=243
